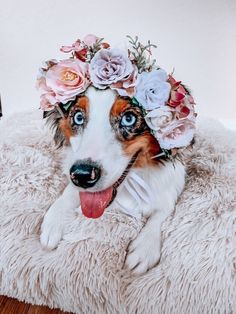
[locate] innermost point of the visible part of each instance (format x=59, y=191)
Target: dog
x=106, y=141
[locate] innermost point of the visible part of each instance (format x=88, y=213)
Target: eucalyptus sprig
x=139, y=54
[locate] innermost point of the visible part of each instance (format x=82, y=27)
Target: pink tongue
x=94, y=204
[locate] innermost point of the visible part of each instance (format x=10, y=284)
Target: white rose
x=159, y=118
x=153, y=90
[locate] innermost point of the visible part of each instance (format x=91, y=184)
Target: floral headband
x=166, y=104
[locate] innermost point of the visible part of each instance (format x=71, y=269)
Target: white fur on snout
x=75, y=143
x=98, y=141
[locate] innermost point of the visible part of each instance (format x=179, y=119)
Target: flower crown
x=167, y=105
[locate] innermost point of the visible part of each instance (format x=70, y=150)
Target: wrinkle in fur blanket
x=197, y=272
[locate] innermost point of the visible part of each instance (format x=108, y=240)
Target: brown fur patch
x=119, y=106
x=148, y=147
x=66, y=124
x=66, y=128
x=82, y=103
x=141, y=139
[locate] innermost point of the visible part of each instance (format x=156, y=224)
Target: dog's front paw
x=143, y=253
x=51, y=232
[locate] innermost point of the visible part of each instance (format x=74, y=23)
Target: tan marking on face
x=148, y=147
x=66, y=128
x=82, y=103
x=119, y=106
x=145, y=143
x=65, y=124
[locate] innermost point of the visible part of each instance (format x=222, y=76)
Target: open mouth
x=93, y=204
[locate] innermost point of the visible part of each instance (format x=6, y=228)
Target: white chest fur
x=149, y=189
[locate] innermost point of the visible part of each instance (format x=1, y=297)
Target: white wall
x=197, y=38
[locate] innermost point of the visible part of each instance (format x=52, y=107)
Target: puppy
x=107, y=143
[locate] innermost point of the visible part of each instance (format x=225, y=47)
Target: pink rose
x=177, y=134
x=47, y=98
x=67, y=79
x=48, y=101
x=127, y=86
x=109, y=66
x=170, y=131
x=41, y=81
x=90, y=40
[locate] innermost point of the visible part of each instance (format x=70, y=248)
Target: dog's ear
x=53, y=118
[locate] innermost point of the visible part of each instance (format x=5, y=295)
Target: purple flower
x=109, y=66
x=127, y=86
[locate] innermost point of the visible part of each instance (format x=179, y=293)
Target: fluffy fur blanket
x=197, y=272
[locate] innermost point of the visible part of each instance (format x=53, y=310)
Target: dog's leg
x=57, y=216
x=144, y=251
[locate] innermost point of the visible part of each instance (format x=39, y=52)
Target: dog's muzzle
x=85, y=174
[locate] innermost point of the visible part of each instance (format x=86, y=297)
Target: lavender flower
x=109, y=66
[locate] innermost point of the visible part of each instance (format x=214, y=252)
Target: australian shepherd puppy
x=106, y=140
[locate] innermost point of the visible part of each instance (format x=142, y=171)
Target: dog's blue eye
x=78, y=118
x=128, y=119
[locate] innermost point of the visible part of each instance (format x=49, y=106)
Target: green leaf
x=134, y=101
x=67, y=105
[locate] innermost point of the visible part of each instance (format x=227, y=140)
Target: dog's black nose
x=85, y=175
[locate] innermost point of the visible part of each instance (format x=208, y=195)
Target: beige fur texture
x=197, y=272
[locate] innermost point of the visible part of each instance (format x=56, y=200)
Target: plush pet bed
x=197, y=272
